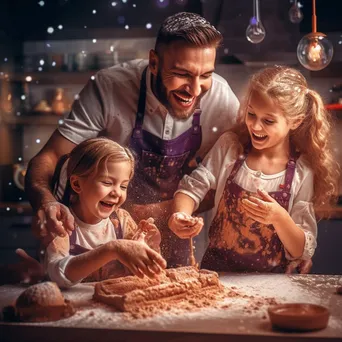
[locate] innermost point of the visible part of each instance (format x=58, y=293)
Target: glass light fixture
x=255, y=32
x=295, y=13
x=315, y=51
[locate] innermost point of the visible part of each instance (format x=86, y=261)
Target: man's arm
x=39, y=174
x=41, y=168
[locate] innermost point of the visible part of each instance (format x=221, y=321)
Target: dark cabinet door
x=16, y=233
x=328, y=256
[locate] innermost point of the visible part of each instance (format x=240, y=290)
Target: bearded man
x=169, y=109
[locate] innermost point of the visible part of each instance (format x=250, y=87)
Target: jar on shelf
x=6, y=104
x=60, y=104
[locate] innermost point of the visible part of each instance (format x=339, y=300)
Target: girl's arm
x=137, y=256
x=193, y=188
x=183, y=203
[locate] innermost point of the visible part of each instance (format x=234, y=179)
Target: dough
x=131, y=293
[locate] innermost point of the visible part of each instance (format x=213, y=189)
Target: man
x=169, y=110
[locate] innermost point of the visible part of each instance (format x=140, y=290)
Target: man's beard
x=161, y=93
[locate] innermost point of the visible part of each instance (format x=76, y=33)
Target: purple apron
x=236, y=242
x=111, y=269
x=160, y=166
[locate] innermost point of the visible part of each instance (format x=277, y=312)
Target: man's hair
x=190, y=28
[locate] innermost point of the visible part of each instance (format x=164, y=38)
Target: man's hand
x=139, y=258
x=264, y=209
x=185, y=226
x=53, y=218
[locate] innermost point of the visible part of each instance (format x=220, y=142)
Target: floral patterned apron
x=238, y=243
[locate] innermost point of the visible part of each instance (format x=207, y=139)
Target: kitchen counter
x=241, y=318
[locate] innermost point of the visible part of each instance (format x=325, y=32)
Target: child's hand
x=149, y=233
x=147, y=225
x=27, y=271
x=139, y=258
x=264, y=209
x=301, y=266
x=185, y=226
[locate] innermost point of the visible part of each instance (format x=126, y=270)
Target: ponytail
x=313, y=137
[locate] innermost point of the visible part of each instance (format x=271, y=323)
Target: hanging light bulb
x=314, y=51
x=255, y=32
x=295, y=13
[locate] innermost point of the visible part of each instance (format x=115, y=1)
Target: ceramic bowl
x=298, y=317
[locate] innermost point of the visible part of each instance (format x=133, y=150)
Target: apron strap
x=289, y=174
x=137, y=131
x=196, y=120
x=72, y=237
x=290, y=171
x=238, y=163
x=56, y=181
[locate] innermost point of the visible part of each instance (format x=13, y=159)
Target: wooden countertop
x=242, y=318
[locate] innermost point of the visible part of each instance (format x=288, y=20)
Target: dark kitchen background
x=49, y=49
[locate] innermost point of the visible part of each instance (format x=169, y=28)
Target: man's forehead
x=179, y=47
x=189, y=56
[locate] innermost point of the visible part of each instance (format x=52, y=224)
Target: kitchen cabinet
x=15, y=230
x=328, y=255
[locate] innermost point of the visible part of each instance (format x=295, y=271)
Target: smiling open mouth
x=184, y=101
x=259, y=137
x=108, y=205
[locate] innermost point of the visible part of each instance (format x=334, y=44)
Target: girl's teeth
x=106, y=203
x=260, y=135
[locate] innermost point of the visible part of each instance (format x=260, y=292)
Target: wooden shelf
x=37, y=120
x=45, y=77
x=15, y=208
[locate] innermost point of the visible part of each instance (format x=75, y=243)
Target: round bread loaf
x=42, y=302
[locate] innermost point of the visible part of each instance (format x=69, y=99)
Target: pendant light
x=295, y=13
x=255, y=32
x=314, y=51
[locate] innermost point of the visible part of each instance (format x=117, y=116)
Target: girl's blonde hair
x=87, y=157
x=289, y=91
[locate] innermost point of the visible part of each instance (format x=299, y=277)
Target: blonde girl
x=269, y=173
x=98, y=174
